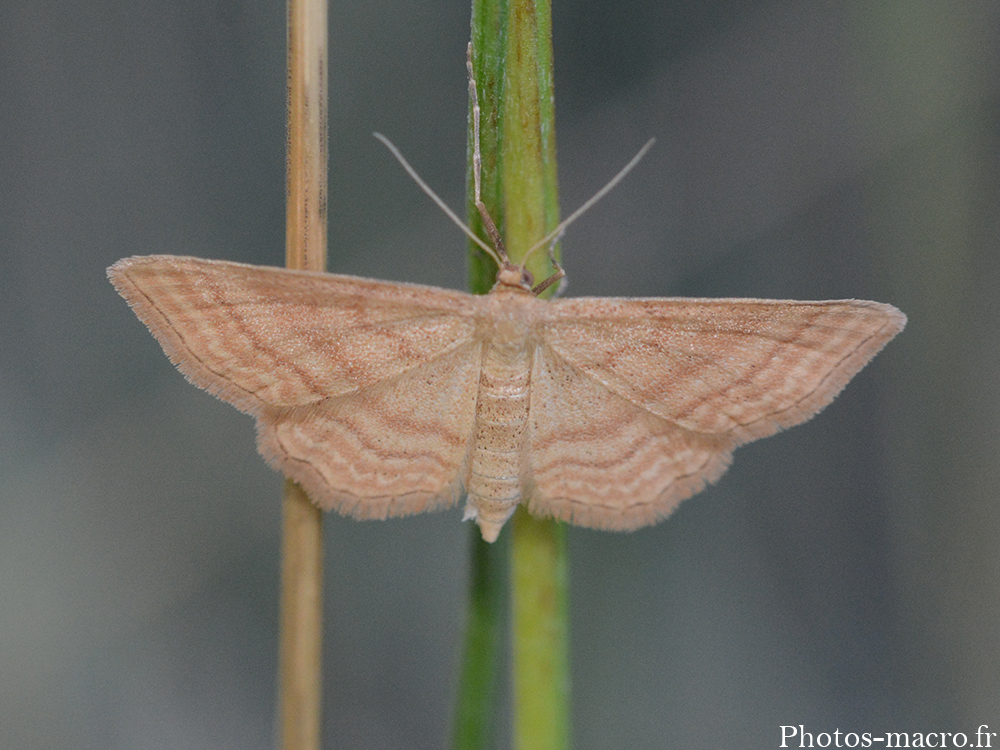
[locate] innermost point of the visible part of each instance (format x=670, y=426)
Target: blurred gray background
x=844, y=574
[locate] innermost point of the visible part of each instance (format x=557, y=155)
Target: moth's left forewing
x=364, y=391
x=743, y=368
x=270, y=337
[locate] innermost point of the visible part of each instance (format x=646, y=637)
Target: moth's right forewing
x=637, y=404
x=259, y=337
x=741, y=368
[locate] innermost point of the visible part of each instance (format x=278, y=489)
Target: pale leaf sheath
x=384, y=399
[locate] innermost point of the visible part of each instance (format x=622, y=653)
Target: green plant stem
x=513, y=69
x=476, y=706
x=539, y=584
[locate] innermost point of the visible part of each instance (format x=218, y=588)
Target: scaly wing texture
x=358, y=386
x=599, y=460
x=258, y=336
x=665, y=389
x=394, y=448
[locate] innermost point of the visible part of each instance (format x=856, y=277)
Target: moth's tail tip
x=490, y=530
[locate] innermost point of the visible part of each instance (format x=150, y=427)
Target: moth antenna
x=556, y=233
x=434, y=197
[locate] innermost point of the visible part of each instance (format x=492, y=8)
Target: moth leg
x=477, y=166
x=558, y=273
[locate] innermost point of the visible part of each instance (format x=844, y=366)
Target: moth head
x=511, y=275
x=515, y=276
